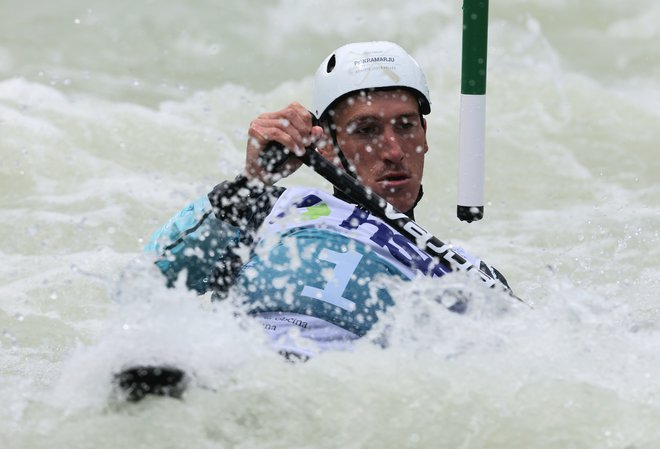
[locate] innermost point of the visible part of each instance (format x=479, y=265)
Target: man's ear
x=426, y=144
x=325, y=147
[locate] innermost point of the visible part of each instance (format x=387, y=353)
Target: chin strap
x=340, y=154
x=417, y=200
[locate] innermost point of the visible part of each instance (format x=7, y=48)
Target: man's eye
x=407, y=124
x=366, y=130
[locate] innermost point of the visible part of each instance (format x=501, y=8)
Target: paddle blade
x=139, y=381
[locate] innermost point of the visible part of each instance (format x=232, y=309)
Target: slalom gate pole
x=472, y=128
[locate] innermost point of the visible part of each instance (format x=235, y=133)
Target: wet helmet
x=367, y=65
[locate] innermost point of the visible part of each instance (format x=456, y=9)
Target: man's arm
x=192, y=241
x=203, y=238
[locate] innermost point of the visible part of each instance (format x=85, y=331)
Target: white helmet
x=367, y=65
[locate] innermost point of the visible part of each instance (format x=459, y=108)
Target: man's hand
x=292, y=127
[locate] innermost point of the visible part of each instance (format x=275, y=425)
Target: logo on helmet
x=374, y=63
x=387, y=64
x=364, y=61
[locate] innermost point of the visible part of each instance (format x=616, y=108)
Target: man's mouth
x=394, y=179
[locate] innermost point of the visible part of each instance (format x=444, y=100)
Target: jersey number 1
x=345, y=265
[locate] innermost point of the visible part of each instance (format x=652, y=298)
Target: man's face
x=382, y=136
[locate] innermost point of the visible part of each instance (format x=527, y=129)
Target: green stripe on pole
x=475, y=43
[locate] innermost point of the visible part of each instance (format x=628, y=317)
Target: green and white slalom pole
x=472, y=151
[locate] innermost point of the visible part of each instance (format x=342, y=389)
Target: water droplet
x=53, y=296
x=32, y=230
x=19, y=317
x=9, y=336
x=76, y=21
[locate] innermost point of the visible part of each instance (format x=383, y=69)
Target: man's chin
x=402, y=202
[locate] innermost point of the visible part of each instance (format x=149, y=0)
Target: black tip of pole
x=469, y=213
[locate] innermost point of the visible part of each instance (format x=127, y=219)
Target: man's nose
x=392, y=148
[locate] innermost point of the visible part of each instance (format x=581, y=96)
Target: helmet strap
x=340, y=154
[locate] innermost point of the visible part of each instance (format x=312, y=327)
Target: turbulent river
x=113, y=115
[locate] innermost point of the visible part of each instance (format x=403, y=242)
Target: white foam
x=112, y=127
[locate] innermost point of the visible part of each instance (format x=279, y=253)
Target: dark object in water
x=139, y=381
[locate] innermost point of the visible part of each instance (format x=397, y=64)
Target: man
x=310, y=265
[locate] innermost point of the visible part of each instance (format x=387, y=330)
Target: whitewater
x=114, y=115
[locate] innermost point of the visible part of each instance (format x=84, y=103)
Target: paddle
x=275, y=155
x=139, y=381
x=136, y=382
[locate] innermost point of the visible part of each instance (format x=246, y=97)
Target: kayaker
x=310, y=264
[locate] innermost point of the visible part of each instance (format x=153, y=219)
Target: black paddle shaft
x=275, y=155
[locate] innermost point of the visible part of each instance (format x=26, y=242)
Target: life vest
x=320, y=266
